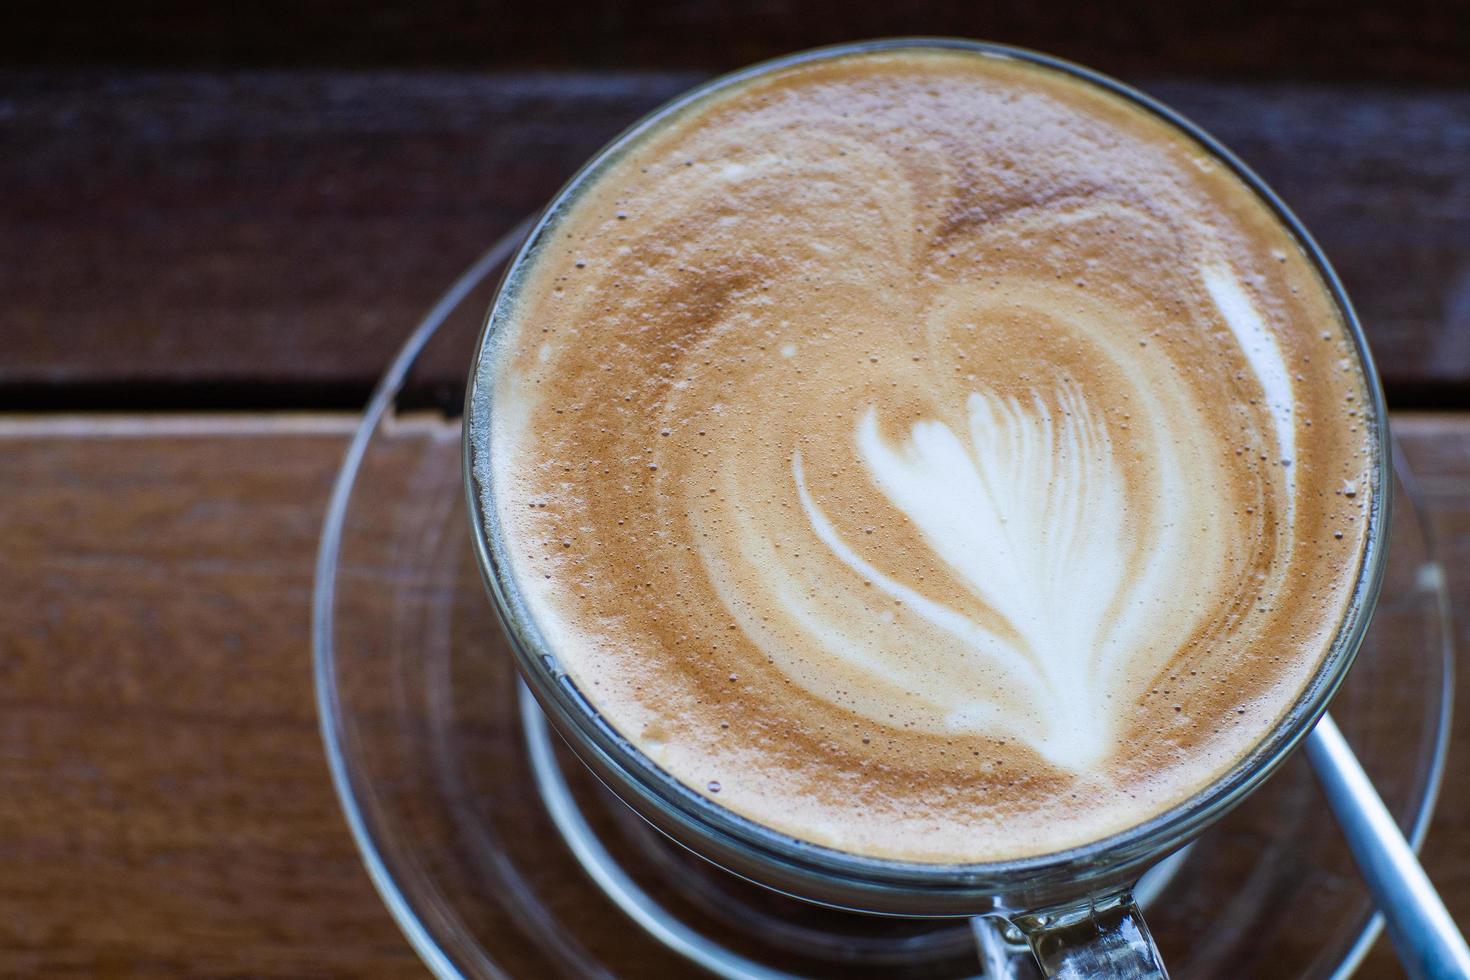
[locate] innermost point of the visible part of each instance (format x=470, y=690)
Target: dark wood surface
x=1346, y=40
x=166, y=807
x=217, y=223
x=232, y=241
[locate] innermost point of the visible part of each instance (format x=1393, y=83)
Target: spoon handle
x=1428, y=943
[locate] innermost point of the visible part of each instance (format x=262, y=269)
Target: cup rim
x=571, y=710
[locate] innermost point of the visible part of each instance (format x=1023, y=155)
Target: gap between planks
x=207, y=425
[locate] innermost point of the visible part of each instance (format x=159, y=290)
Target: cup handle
x=1105, y=937
x=1004, y=954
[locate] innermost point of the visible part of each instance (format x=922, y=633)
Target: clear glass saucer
x=499, y=855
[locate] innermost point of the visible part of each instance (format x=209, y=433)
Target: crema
x=927, y=455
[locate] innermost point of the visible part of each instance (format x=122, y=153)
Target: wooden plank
x=284, y=229
x=228, y=240
x=166, y=809
x=1437, y=447
x=1416, y=40
x=166, y=806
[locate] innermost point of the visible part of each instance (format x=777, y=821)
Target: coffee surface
x=928, y=455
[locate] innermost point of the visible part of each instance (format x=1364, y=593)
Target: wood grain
x=166, y=809
x=264, y=239
x=1412, y=40
x=244, y=206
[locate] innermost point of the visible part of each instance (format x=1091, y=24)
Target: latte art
x=1029, y=516
x=940, y=456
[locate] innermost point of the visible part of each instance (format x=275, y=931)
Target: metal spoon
x=1427, y=941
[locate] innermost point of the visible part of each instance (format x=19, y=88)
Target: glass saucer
x=499, y=855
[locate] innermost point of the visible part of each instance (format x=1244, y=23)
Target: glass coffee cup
x=1074, y=906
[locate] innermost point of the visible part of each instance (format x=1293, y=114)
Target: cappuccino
x=927, y=454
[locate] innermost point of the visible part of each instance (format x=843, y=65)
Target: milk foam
x=1028, y=513
x=1265, y=358
x=934, y=453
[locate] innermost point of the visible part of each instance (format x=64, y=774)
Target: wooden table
x=205, y=262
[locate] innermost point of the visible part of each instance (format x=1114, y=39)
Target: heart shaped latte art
x=1026, y=509
x=1073, y=569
